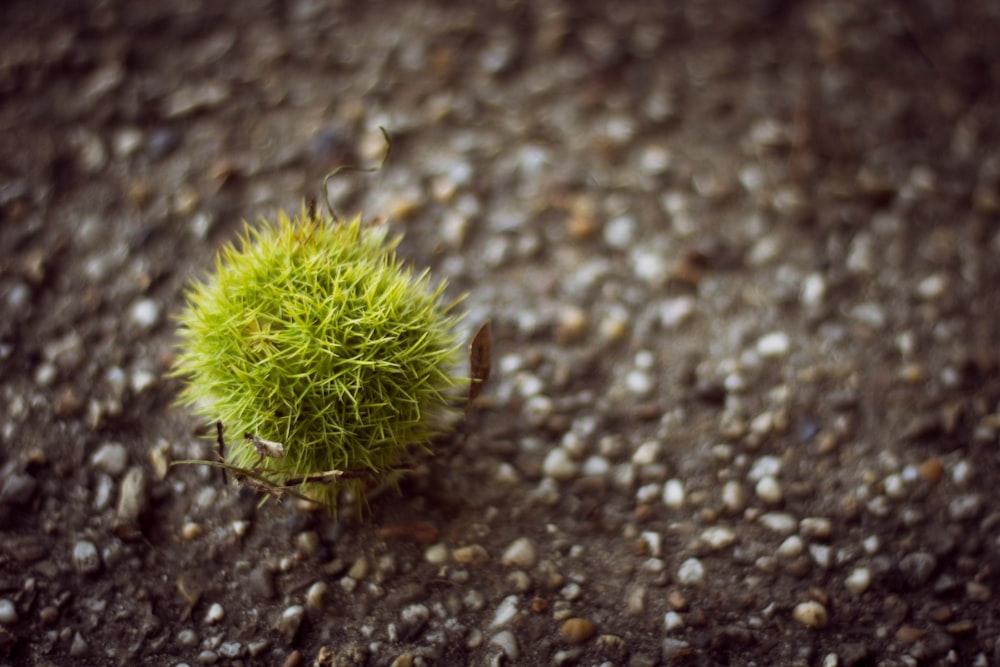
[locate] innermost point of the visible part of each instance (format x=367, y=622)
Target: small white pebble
x=861, y=254
x=619, y=232
x=673, y=493
x=816, y=527
x=764, y=251
x=644, y=359
x=811, y=614
x=415, y=613
x=507, y=643
x=307, y=542
x=546, y=493
x=718, y=537
x=672, y=621
x=386, y=564
x=648, y=493
x=722, y=452
x=473, y=600
x=613, y=327
x=507, y=474
x=506, y=610
x=191, y=530
x=142, y=380
x=764, y=466
x=519, y=580
x=675, y=312
x=437, y=554
x=79, y=645
x=768, y=490
x=454, y=229
x=215, y=613
x=653, y=542
x=8, y=612
x=858, y=580
x=774, y=344
x=655, y=159
x=290, y=619
x=18, y=296
x=635, y=600
x=734, y=496
x=906, y=342
x=230, y=649
x=639, y=383
x=571, y=591
x=646, y=453
x=791, y=548
x=537, y=410
x=317, y=595
x=779, y=522
x=574, y=444
x=653, y=565
x=529, y=385
x=872, y=544
x=596, y=466
x=558, y=465
x=965, y=507
x=894, y=487
x=111, y=457
x=767, y=563
x=932, y=287
x=821, y=554
x=734, y=383
x=870, y=314
x=116, y=380
x=961, y=473
x=206, y=497
x=521, y=553
x=200, y=224
x=813, y=291
x=607, y=445
x=510, y=364
x=86, y=557
x=45, y=374
x=571, y=324
x=751, y=177
x=145, y=313
x=691, y=572
x=762, y=424
x=879, y=506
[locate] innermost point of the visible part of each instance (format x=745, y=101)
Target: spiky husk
x=312, y=333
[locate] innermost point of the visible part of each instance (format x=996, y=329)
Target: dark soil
x=742, y=261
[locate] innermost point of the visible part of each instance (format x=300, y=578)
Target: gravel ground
x=741, y=260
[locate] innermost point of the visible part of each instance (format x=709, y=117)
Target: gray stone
x=111, y=457
x=86, y=558
x=17, y=488
x=917, y=568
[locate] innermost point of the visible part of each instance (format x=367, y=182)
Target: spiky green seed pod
x=315, y=341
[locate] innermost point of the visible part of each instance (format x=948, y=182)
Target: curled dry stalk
x=345, y=168
x=256, y=477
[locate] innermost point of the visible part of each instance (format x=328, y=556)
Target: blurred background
x=741, y=261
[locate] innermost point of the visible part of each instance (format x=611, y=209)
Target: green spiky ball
x=313, y=334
